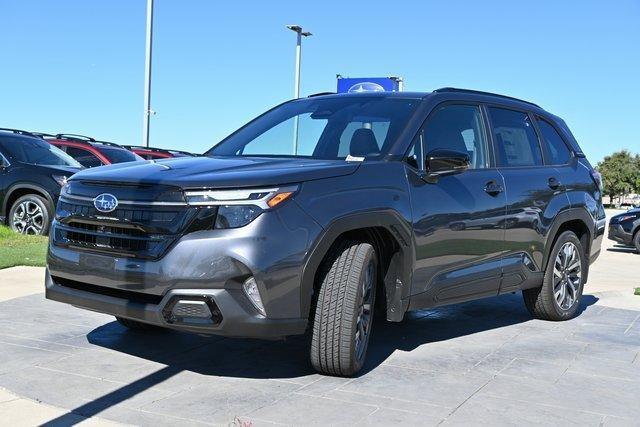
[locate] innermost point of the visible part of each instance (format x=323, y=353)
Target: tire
x=135, y=325
x=344, y=309
x=30, y=214
x=636, y=240
x=561, y=291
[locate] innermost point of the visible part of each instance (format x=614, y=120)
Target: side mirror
x=441, y=162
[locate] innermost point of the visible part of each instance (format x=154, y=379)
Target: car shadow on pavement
x=288, y=359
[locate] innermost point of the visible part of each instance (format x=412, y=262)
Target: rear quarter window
x=557, y=150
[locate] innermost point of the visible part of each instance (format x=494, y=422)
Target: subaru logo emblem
x=105, y=202
x=366, y=87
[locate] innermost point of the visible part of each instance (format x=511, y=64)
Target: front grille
x=142, y=215
x=138, y=232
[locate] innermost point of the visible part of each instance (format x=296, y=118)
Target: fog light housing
x=250, y=288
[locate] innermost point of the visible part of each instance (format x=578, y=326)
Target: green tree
x=620, y=173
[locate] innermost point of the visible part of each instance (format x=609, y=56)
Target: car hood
x=219, y=172
x=633, y=211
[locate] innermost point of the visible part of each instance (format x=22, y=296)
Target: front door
x=458, y=221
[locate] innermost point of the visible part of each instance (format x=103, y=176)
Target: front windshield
x=119, y=155
x=322, y=128
x=37, y=152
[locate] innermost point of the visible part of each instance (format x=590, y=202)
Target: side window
x=453, y=127
x=84, y=157
x=558, y=152
x=516, y=140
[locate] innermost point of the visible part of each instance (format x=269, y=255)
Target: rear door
x=535, y=194
x=458, y=221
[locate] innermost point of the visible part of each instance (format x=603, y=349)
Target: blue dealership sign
x=369, y=84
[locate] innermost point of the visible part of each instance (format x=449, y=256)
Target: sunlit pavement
x=485, y=362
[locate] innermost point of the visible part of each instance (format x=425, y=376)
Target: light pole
x=296, y=88
x=147, y=74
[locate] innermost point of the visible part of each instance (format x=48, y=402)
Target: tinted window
x=558, y=152
x=516, y=140
x=36, y=151
x=84, y=157
x=119, y=155
x=455, y=127
x=323, y=128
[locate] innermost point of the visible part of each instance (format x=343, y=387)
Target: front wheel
x=30, y=215
x=561, y=291
x=636, y=241
x=344, y=310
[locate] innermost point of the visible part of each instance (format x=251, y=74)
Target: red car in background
x=90, y=152
x=152, y=153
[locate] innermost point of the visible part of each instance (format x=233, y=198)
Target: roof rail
x=479, y=92
x=111, y=144
x=21, y=132
x=321, y=94
x=142, y=147
x=42, y=134
x=75, y=136
x=159, y=150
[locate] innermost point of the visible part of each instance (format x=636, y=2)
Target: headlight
x=238, y=208
x=236, y=216
x=60, y=179
x=626, y=217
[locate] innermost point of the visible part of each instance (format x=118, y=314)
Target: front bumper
x=210, y=265
x=618, y=234
x=238, y=318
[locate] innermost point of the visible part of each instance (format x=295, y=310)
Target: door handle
x=554, y=184
x=493, y=189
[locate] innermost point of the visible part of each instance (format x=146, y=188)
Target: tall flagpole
x=147, y=74
x=296, y=82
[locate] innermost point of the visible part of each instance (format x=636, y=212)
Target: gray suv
x=326, y=210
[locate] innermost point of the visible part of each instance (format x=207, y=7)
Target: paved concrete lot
x=485, y=362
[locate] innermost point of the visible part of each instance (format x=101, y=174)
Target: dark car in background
x=90, y=152
x=153, y=153
x=32, y=171
x=324, y=210
x=624, y=228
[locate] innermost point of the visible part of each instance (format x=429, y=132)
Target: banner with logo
x=369, y=84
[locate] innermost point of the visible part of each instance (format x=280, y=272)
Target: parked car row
x=34, y=166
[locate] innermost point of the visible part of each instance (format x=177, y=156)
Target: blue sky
x=78, y=66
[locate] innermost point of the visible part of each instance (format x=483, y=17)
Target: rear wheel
x=135, y=325
x=30, y=215
x=561, y=291
x=344, y=311
x=636, y=240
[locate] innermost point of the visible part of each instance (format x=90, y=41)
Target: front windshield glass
x=37, y=152
x=322, y=128
x=119, y=155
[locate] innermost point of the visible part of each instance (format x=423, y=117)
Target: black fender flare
x=26, y=186
x=397, y=289
x=567, y=215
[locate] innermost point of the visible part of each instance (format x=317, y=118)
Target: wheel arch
x=22, y=189
x=577, y=220
x=390, y=235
